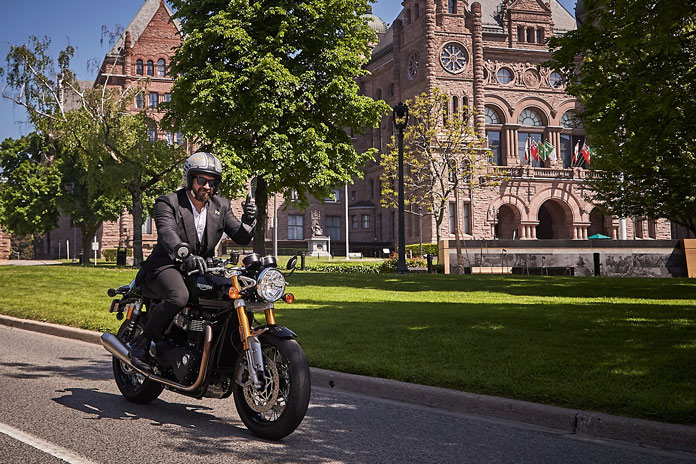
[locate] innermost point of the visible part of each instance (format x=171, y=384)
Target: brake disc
x=263, y=399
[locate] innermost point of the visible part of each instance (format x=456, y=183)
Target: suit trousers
x=170, y=286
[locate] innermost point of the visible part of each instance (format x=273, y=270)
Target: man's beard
x=202, y=195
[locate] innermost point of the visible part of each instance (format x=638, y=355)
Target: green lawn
x=621, y=346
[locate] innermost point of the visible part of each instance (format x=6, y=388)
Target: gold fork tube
x=244, y=329
x=270, y=316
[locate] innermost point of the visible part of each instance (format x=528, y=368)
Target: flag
x=526, y=150
x=552, y=153
x=577, y=151
x=585, y=152
x=534, y=150
x=545, y=150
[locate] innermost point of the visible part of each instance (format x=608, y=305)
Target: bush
x=428, y=249
x=109, y=254
x=389, y=264
x=345, y=268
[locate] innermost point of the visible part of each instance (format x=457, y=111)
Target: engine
x=181, y=351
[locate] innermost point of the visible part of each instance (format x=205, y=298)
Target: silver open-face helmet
x=201, y=163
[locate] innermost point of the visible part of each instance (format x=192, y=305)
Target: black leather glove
x=250, y=212
x=194, y=263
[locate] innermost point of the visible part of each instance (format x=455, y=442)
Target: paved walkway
x=28, y=262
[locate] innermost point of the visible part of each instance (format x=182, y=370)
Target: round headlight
x=271, y=285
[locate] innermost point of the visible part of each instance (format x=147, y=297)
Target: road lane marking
x=43, y=445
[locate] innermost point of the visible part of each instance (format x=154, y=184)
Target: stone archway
x=508, y=222
x=600, y=223
x=555, y=221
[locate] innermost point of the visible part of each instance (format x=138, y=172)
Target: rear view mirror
x=292, y=263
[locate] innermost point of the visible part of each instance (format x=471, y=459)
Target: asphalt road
x=59, y=403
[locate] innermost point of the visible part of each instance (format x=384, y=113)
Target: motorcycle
x=212, y=347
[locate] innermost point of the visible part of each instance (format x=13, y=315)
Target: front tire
x=134, y=386
x=277, y=410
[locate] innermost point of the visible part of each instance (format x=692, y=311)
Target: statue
x=315, y=217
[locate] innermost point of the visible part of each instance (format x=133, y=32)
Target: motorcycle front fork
x=251, y=343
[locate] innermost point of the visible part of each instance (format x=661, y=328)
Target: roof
x=563, y=21
x=376, y=23
x=140, y=22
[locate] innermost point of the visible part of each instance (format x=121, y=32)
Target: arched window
x=491, y=116
x=529, y=117
x=570, y=120
x=378, y=95
x=161, y=67
x=452, y=6
x=139, y=67
x=416, y=10
x=408, y=16
x=150, y=68
x=455, y=105
x=504, y=76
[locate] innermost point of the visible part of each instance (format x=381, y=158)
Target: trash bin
x=121, y=254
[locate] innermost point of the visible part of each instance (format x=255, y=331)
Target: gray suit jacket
x=174, y=221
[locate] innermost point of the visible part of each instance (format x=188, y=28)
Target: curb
x=635, y=431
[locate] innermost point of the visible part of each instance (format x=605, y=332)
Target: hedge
x=428, y=248
x=109, y=254
x=346, y=268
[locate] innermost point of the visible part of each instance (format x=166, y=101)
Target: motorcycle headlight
x=271, y=285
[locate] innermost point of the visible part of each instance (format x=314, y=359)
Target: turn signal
x=233, y=293
x=289, y=298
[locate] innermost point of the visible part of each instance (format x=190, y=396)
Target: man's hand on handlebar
x=193, y=263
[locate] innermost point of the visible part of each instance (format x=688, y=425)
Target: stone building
x=485, y=56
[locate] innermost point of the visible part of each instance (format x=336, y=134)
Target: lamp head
x=400, y=115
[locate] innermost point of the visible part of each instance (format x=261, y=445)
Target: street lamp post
x=400, y=119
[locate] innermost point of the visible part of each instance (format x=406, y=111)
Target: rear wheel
x=134, y=386
x=277, y=409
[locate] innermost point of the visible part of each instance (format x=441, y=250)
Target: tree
x=94, y=125
x=444, y=158
x=30, y=187
x=271, y=85
x=638, y=95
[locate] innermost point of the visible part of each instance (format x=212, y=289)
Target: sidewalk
x=636, y=431
x=28, y=262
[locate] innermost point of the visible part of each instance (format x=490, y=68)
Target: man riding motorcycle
x=195, y=215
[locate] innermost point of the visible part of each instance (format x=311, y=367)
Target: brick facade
x=499, y=41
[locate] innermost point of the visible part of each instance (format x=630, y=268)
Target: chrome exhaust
x=114, y=346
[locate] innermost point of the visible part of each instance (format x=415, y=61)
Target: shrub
x=346, y=268
x=428, y=249
x=389, y=264
x=109, y=254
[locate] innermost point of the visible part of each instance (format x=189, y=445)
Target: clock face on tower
x=454, y=57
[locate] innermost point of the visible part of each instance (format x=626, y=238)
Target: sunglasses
x=212, y=183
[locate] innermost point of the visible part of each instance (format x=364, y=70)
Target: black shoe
x=139, y=354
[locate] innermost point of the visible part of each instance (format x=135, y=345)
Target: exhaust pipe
x=114, y=346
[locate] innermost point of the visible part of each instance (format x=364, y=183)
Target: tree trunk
x=261, y=204
x=137, y=212
x=458, y=244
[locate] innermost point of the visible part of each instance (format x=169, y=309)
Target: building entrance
x=554, y=221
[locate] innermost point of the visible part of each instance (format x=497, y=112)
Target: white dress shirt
x=199, y=218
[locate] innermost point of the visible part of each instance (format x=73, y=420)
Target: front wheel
x=277, y=409
x=133, y=385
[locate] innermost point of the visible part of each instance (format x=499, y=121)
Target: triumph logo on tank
x=204, y=287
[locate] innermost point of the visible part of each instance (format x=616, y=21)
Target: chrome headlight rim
x=270, y=285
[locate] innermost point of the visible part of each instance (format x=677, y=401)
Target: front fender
x=277, y=331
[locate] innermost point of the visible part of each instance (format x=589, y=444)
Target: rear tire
x=134, y=386
x=288, y=399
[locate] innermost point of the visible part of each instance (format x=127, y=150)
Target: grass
x=621, y=346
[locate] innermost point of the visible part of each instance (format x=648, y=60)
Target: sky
x=79, y=23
